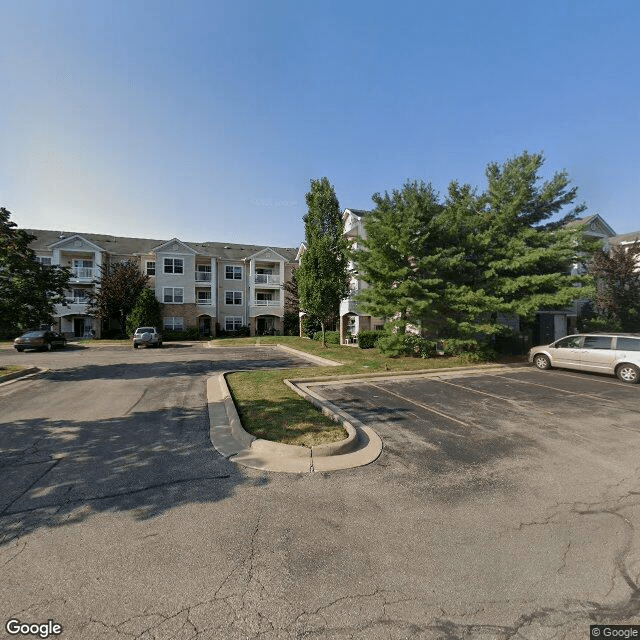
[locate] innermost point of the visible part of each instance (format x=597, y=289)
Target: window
x=43, y=260
x=79, y=295
x=173, y=294
x=233, y=297
x=264, y=295
x=572, y=342
x=151, y=268
x=232, y=323
x=628, y=344
x=232, y=273
x=174, y=324
x=204, y=297
x=173, y=265
x=597, y=342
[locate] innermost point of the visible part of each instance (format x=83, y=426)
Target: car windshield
x=145, y=330
x=33, y=334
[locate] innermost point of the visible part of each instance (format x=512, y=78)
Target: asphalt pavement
x=500, y=518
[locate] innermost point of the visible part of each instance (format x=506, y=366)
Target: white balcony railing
x=84, y=300
x=82, y=273
x=266, y=278
x=267, y=303
x=203, y=276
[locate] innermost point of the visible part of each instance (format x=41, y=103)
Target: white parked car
x=147, y=336
x=614, y=353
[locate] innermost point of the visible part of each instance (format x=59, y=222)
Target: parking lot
x=463, y=415
x=503, y=506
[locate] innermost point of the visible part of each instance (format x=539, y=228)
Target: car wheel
x=135, y=346
x=628, y=373
x=49, y=347
x=541, y=361
x=19, y=349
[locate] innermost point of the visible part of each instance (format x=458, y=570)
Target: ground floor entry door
x=78, y=327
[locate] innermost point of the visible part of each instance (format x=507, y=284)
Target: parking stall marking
x=425, y=407
x=546, y=386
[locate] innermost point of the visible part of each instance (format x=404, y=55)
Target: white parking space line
x=484, y=393
x=624, y=385
x=546, y=386
x=419, y=404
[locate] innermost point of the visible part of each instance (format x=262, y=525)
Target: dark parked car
x=41, y=340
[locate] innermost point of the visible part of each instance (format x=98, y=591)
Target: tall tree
x=28, y=289
x=323, y=277
x=145, y=313
x=453, y=267
x=617, y=273
x=120, y=285
x=398, y=258
x=517, y=261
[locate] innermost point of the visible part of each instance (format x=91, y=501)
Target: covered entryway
x=267, y=326
x=204, y=326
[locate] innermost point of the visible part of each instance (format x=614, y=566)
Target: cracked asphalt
x=501, y=507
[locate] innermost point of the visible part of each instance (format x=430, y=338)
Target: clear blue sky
x=207, y=120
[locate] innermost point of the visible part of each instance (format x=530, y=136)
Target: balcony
x=348, y=305
x=82, y=273
x=203, y=276
x=266, y=278
x=266, y=307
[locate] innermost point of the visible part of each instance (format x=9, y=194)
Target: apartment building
x=198, y=284
x=352, y=319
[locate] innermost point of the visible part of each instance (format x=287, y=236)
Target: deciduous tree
x=323, y=278
x=120, y=285
x=28, y=289
x=145, y=313
x=617, y=273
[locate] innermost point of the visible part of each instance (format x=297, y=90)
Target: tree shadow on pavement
x=55, y=472
x=154, y=369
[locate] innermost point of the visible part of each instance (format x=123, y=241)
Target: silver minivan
x=614, y=353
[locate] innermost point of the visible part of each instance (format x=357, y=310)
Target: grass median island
x=8, y=369
x=270, y=410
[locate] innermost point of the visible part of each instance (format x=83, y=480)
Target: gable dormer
x=174, y=246
x=75, y=243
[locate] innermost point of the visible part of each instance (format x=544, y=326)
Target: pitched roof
x=624, y=237
x=120, y=245
x=593, y=222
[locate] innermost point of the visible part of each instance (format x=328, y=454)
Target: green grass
x=5, y=370
x=270, y=410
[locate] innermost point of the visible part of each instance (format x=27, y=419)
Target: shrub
x=368, y=339
x=186, y=334
x=242, y=332
x=309, y=326
x=291, y=323
x=392, y=344
x=331, y=337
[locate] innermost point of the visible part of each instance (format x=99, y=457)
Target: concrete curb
x=309, y=356
x=324, y=362
x=233, y=442
x=19, y=374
